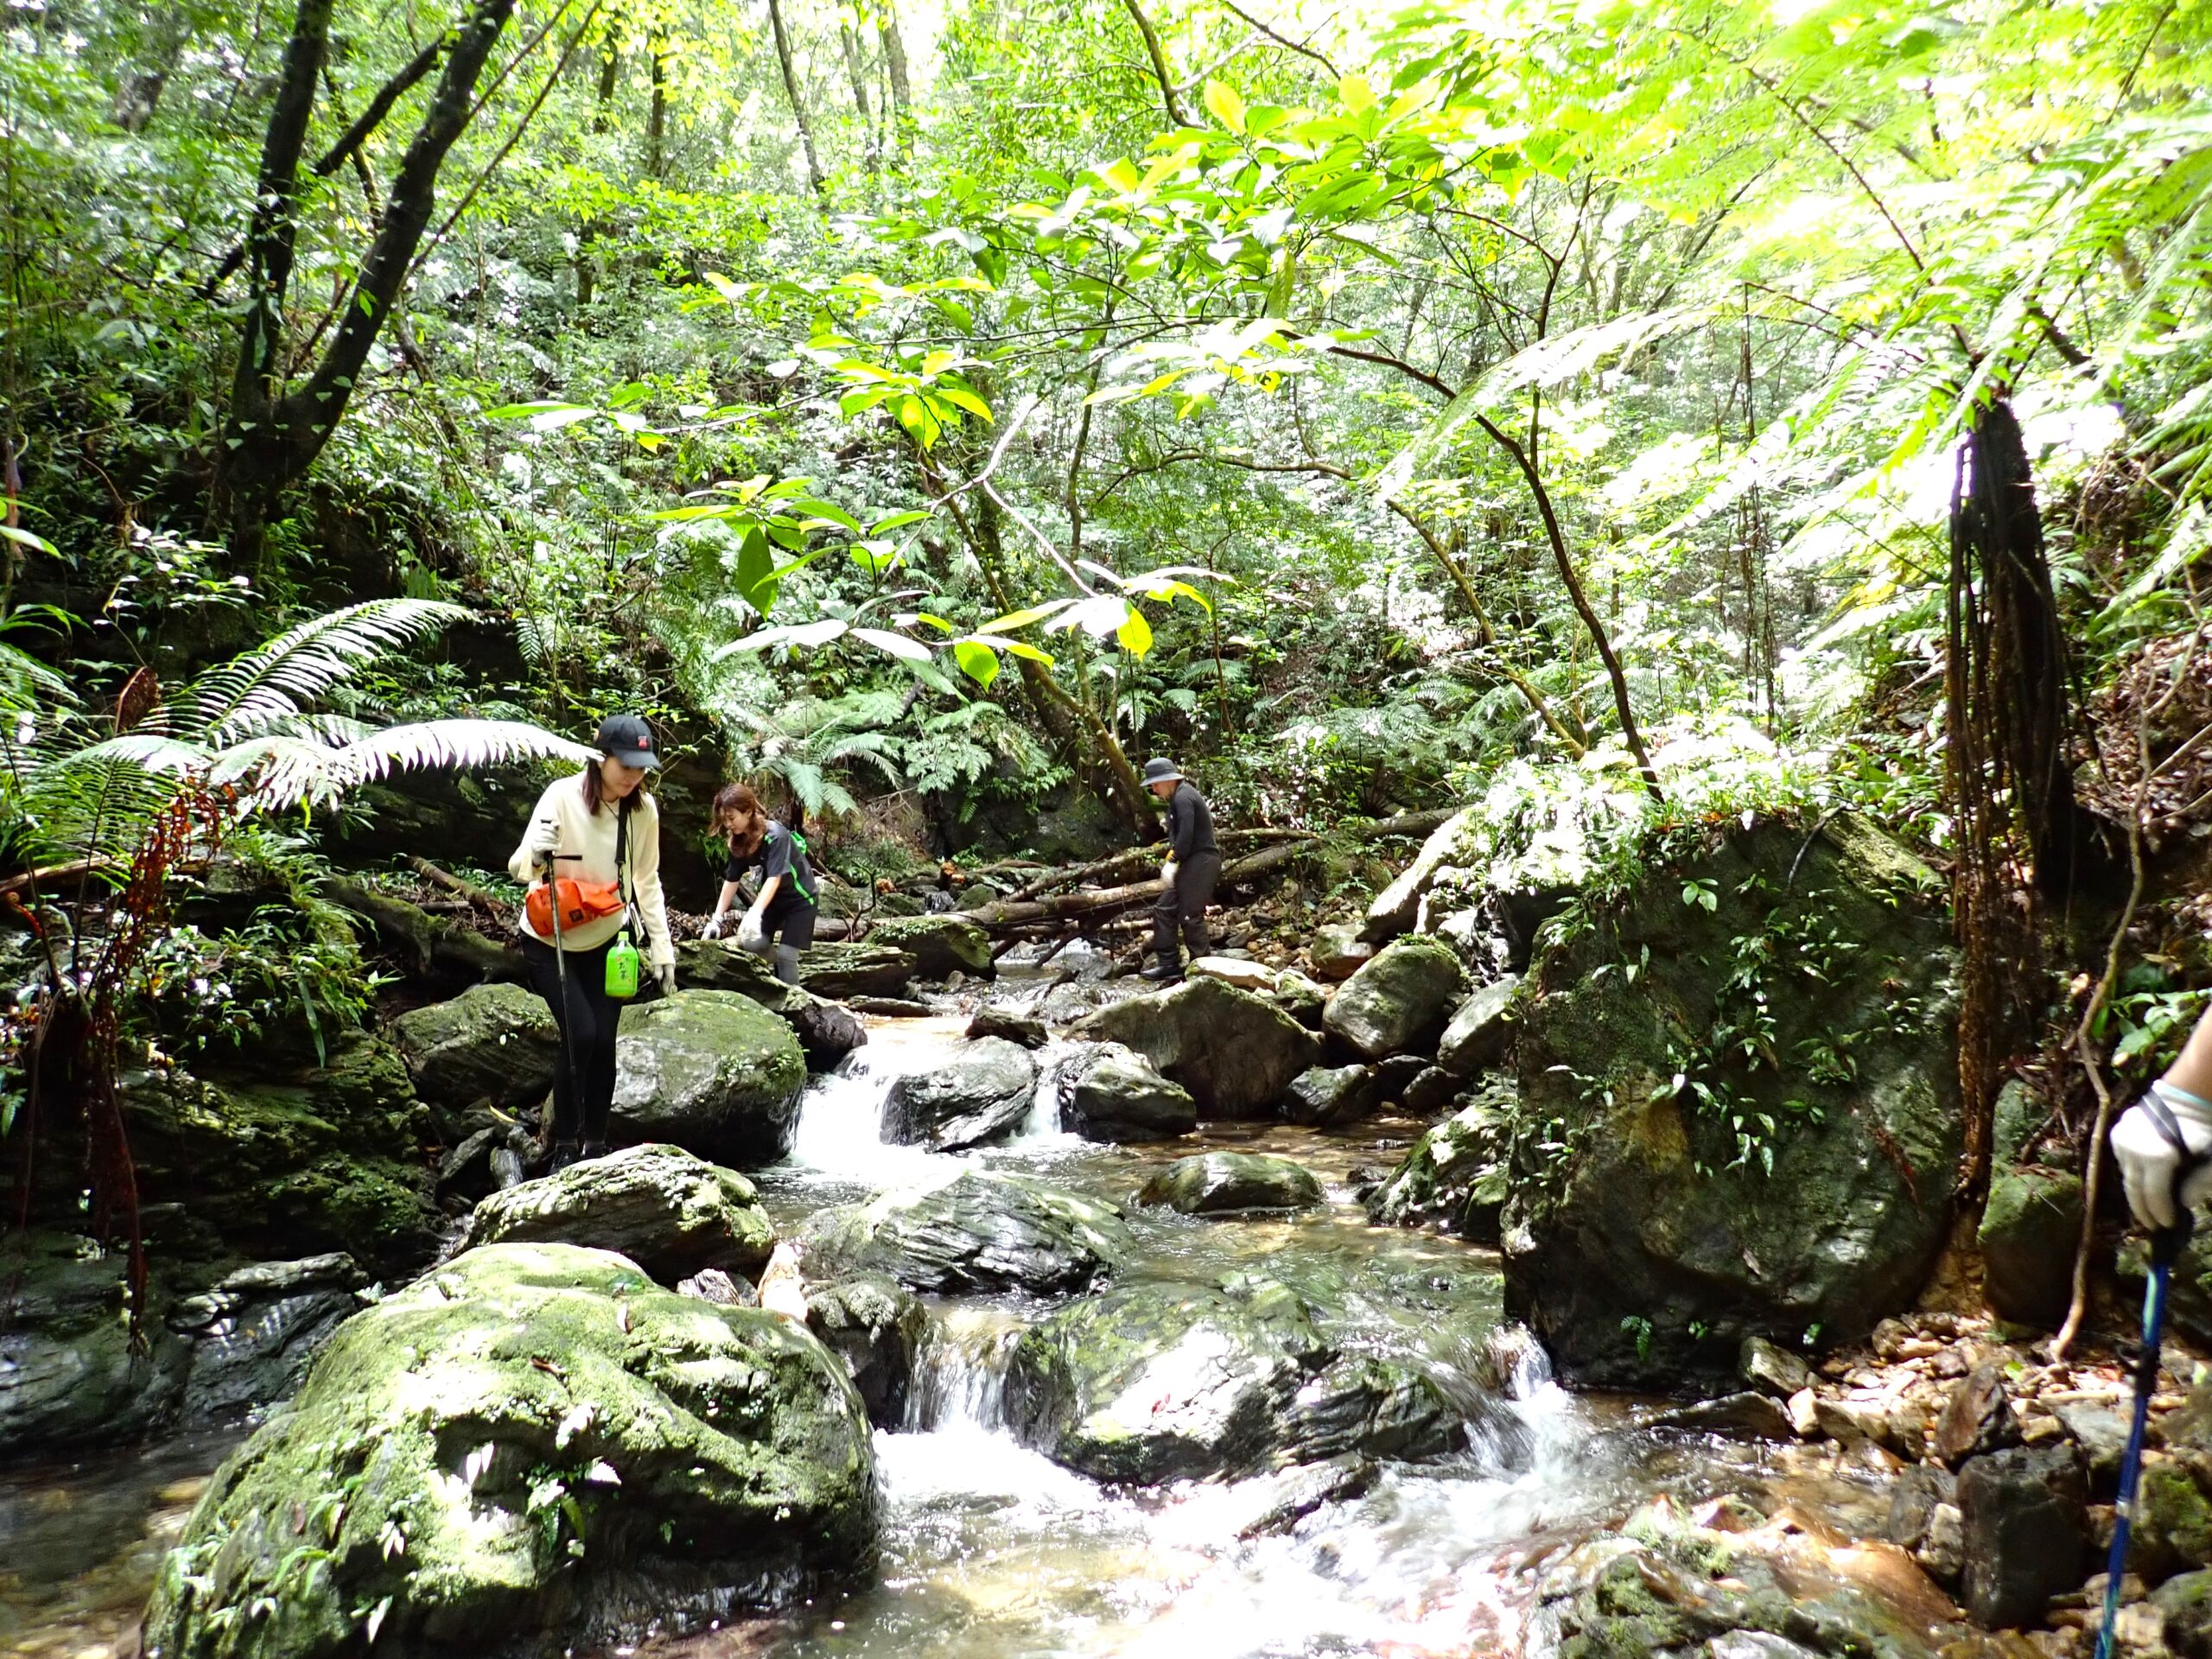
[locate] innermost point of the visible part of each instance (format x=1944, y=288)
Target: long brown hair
x=595, y=788
x=740, y=798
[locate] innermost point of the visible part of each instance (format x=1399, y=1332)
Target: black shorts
x=791, y=924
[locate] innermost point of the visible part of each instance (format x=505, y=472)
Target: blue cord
x=2165, y=1247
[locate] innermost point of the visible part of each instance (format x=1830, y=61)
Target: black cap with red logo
x=629, y=740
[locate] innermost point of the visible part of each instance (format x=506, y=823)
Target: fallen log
x=489, y=902
x=431, y=938
x=1008, y=912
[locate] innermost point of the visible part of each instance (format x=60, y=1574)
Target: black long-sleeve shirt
x=1190, y=823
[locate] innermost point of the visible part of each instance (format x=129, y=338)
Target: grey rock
x=68, y=1377
x=1748, y=1415
x=827, y=1030
x=495, y=1041
x=982, y=1090
x=983, y=1233
x=1914, y=1499
x=1777, y=1370
x=2099, y=1434
x=712, y=1072
x=1219, y=1183
x=506, y=1168
x=1276, y=1504
x=713, y=1284
x=2029, y=1230
x=1337, y=952
x=1235, y=1052
x=1476, y=1034
x=669, y=1212
x=1977, y=1417
x=1118, y=1095
x=1025, y=1029
x=1454, y=1177
x=1431, y=1090
x=941, y=945
x=1397, y=1003
x=876, y=1326
x=2184, y=1605
x=1327, y=1096
x=1393, y=910
x=2023, y=1534
x=845, y=971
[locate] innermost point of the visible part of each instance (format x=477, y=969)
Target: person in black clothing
x=784, y=910
x=1193, y=865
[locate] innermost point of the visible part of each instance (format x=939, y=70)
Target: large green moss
x=533, y=1439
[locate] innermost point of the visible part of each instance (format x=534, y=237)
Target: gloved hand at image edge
x=542, y=840
x=666, y=972
x=716, y=922
x=2149, y=1161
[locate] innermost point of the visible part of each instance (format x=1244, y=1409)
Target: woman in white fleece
x=581, y=842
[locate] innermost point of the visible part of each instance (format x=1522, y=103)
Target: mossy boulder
x=1739, y=1102
x=534, y=1442
x=983, y=1232
x=1476, y=1036
x=941, y=945
x=2029, y=1230
x=1454, y=1179
x=712, y=1072
x=669, y=1212
x=1156, y=1382
x=844, y=971
x=69, y=1376
x=1232, y=1183
x=292, y=1160
x=1398, y=1003
x=495, y=1041
x=1235, y=1052
x=876, y=1326
x=1116, y=1095
x=827, y=1030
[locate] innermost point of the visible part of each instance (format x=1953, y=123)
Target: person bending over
x=783, y=913
x=600, y=831
x=1193, y=865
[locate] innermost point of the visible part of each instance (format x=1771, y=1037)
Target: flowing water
x=992, y=1552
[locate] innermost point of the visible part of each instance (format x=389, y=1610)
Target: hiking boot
x=590, y=1150
x=1166, y=971
x=564, y=1154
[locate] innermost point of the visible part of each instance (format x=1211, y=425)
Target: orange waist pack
x=580, y=901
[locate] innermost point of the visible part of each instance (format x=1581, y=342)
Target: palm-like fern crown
x=248, y=724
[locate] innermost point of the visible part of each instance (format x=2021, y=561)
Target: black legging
x=592, y=1019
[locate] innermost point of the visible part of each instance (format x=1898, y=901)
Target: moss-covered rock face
x=1156, y=1382
x=1235, y=1052
x=534, y=1441
x=1398, y=1003
x=1232, y=1183
x=712, y=1072
x=941, y=944
x=2028, y=1234
x=671, y=1213
x=983, y=1232
x=68, y=1377
x=864, y=969
x=1740, y=1113
x=312, y=1159
x=495, y=1042
x=1454, y=1178
x=978, y=1092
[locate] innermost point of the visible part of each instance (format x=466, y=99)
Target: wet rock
x=496, y=1041
x=669, y=1212
x=1655, y=1215
x=1777, y=1370
x=2173, y=1521
x=2028, y=1234
x=254, y=1330
x=453, y=1441
x=2023, y=1522
x=940, y=945
x=1217, y=1183
x=1394, y=1074
x=1300, y=998
x=725, y=965
x=1397, y=1003
x=1747, y=1416
x=1235, y=1052
x=983, y=1232
x=506, y=1167
x=292, y=1159
x=890, y=1007
x=712, y=1072
x=465, y=1170
x=1394, y=909
x=2100, y=1437
x=2184, y=1605
x=1328, y=1097
x=1337, y=952
x=827, y=1030
x=1914, y=1499
x=1475, y=1036
x=1240, y=972
x=1116, y=1096
x=1277, y=1503
x=844, y=971
x=1454, y=1177
x=978, y=1092
x=1942, y=1553
x=68, y=1377
x=1156, y=1382
x=876, y=1327
x=713, y=1284
x=1431, y=1090
x=1025, y=1029
x=1977, y=1417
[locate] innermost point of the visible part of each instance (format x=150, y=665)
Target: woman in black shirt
x=784, y=910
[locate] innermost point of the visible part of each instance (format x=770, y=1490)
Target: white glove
x=666, y=973
x=2147, y=1159
x=753, y=933
x=542, y=840
x=1167, y=871
x=713, y=930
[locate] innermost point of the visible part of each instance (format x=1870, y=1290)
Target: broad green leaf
x=977, y=661
x=1134, y=633
x=1227, y=107
x=1023, y=648
x=961, y=399
x=27, y=538
x=898, y=521
x=755, y=575
x=1013, y=619
x=796, y=633
x=895, y=644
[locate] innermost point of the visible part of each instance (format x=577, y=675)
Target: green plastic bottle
x=622, y=966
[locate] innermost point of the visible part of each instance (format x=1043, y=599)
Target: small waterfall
x=960, y=1374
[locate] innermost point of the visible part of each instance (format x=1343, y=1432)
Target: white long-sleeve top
x=591, y=835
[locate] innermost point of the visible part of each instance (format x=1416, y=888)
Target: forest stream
x=990, y=1549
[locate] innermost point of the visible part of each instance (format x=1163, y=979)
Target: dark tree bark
x=602, y=121
x=857, y=71
x=274, y=432
x=799, y=103
x=1160, y=73
x=657, y=116
x=894, y=63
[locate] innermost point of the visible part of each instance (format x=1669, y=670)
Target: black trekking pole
x=560, y=975
x=2165, y=1250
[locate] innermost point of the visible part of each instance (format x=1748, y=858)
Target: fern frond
x=291, y=768
x=258, y=690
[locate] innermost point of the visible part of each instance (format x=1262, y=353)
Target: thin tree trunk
x=603, y=122
x=857, y=73
x=1157, y=54
x=799, y=103
x=656, y=117
x=895, y=62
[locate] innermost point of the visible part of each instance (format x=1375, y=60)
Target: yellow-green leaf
x=1134, y=633
x=1227, y=107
